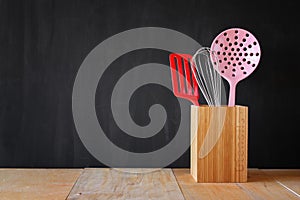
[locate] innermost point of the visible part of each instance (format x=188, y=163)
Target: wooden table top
x=106, y=183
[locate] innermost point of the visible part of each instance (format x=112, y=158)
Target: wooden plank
x=288, y=178
x=37, y=183
x=115, y=184
x=259, y=186
x=193, y=191
x=219, y=150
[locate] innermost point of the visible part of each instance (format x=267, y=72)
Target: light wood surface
x=219, y=143
x=106, y=183
x=115, y=184
x=289, y=178
x=259, y=186
x=37, y=184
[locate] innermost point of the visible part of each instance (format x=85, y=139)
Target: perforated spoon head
x=238, y=53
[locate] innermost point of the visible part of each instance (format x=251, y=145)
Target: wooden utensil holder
x=227, y=160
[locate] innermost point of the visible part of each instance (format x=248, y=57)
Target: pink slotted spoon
x=239, y=54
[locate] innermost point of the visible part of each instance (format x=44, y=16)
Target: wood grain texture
x=114, y=184
x=288, y=178
x=259, y=186
x=37, y=184
x=226, y=160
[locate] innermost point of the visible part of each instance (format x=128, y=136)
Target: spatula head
x=183, y=80
x=238, y=52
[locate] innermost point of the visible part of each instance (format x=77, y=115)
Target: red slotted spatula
x=186, y=87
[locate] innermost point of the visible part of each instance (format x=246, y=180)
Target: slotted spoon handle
x=232, y=94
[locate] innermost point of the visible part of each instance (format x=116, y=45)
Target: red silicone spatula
x=239, y=53
x=183, y=80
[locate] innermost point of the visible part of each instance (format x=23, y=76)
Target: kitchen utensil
x=207, y=76
x=186, y=87
x=204, y=66
x=239, y=54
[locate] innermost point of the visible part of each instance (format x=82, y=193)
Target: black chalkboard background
x=43, y=43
